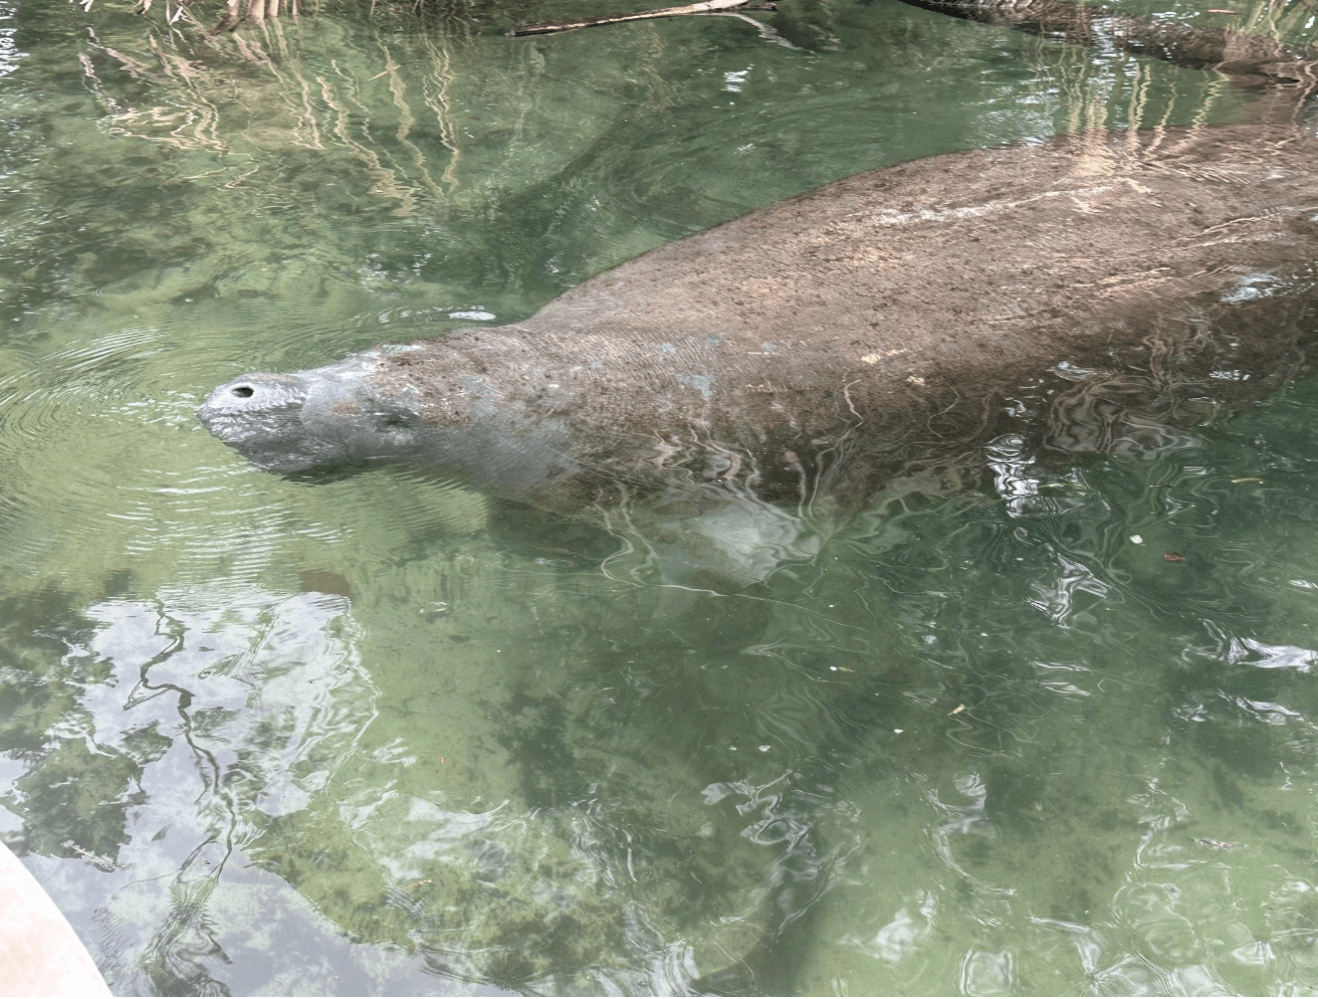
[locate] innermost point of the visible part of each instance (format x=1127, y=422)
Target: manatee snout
x=252, y=396
x=301, y=420
x=260, y=415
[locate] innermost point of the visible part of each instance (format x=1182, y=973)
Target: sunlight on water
x=375, y=734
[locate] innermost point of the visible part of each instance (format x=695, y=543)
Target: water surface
x=266, y=736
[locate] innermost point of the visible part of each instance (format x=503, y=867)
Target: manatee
x=1087, y=291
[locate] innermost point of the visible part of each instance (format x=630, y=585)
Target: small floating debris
x=98, y=861
x=1173, y=557
x=1217, y=844
x=1246, y=478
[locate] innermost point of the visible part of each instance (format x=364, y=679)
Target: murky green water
x=266, y=737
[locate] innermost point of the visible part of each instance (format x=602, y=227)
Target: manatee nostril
x=244, y=391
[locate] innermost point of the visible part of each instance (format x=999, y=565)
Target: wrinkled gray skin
x=1088, y=294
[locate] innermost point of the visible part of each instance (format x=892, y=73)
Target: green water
x=261, y=736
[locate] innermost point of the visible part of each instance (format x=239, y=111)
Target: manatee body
x=1091, y=290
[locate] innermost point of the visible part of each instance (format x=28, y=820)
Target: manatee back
x=904, y=317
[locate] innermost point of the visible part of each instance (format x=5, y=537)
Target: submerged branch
x=706, y=7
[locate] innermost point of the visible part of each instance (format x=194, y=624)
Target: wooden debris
x=705, y=7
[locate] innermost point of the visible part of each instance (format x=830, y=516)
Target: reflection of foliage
x=588, y=860
x=219, y=16
x=430, y=121
x=83, y=778
x=412, y=133
x=36, y=662
x=73, y=791
x=179, y=955
x=75, y=795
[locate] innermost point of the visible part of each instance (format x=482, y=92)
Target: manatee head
x=318, y=418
